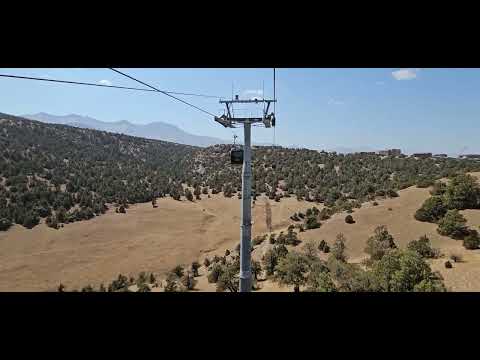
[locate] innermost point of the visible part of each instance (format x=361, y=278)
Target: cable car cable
x=101, y=85
x=163, y=92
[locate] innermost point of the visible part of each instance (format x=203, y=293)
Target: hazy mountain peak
x=155, y=130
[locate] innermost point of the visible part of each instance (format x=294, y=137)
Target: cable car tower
x=244, y=156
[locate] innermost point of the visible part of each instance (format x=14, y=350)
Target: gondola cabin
x=236, y=156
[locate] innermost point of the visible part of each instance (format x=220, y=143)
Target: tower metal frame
x=229, y=121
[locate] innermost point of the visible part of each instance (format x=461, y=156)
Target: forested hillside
x=66, y=174
x=326, y=177
x=75, y=172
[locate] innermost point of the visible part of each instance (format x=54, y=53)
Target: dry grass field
x=155, y=240
x=143, y=239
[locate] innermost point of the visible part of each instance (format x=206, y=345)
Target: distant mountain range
x=155, y=130
x=159, y=131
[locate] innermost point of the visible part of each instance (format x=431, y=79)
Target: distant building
x=440, y=155
x=367, y=153
x=422, y=155
x=470, y=156
x=390, y=152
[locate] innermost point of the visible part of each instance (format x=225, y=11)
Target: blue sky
x=433, y=110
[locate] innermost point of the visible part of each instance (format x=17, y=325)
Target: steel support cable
x=102, y=85
x=163, y=92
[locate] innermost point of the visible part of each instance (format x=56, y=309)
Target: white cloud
x=105, y=82
x=335, y=102
x=253, y=93
x=405, y=74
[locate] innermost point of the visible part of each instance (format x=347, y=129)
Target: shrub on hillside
x=438, y=188
x=272, y=257
x=228, y=279
x=453, y=224
x=295, y=217
x=270, y=260
x=152, y=279
x=171, y=283
x=188, y=195
x=299, y=227
x=380, y=243
x=215, y=273
x=320, y=281
x=142, y=279
x=272, y=239
x=339, y=247
x=349, y=219
x=448, y=264
x=432, y=210
x=31, y=220
x=257, y=240
x=422, y=246
x=324, y=214
x=402, y=271
x=463, y=192
x=195, y=266
x=280, y=238
x=424, y=182
x=51, y=221
x=178, y=270
x=292, y=270
x=392, y=193
x=256, y=269
x=291, y=238
x=144, y=288
x=281, y=250
x=312, y=223
x=87, y=288
x=188, y=281
x=322, y=244
x=5, y=224
x=121, y=283
x=472, y=240
x=310, y=250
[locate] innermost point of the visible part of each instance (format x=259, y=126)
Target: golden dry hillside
x=397, y=215
x=179, y=232
x=143, y=239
